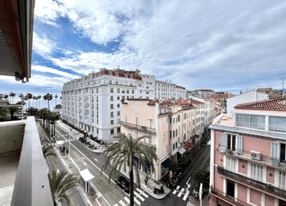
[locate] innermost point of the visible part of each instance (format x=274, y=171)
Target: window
x=111, y=122
x=251, y=121
x=118, y=113
x=118, y=90
x=256, y=172
x=116, y=81
x=136, y=109
x=127, y=91
x=231, y=142
x=96, y=90
x=174, y=133
x=110, y=81
x=277, y=124
x=179, y=118
x=111, y=98
x=111, y=114
x=277, y=157
x=132, y=91
x=118, y=105
x=118, y=130
x=150, y=123
x=230, y=188
x=111, y=90
x=170, y=134
x=111, y=106
x=112, y=131
x=118, y=98
x=230, y=164
x=164, y=137
x=282, y=180
x=147, y=92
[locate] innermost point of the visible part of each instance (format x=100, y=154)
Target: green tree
x=4, y=111
x=122, y=153
x=198, y=176
x=60, y=182
x=58, y=106
x=29, y=96
x=48, y=150
x=12, y=110
x=173, y=165
x=48, y=97
x=12, y=94
x=6, y=96
x=54, y=117
x=32, y=111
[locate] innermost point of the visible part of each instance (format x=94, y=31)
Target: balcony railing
x=139, y=127
x=250, y=125
x=277, y=128
x=224, y=196
x=246, y=180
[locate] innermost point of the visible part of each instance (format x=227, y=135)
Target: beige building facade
x=168, y=126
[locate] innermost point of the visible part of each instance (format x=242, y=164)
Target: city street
x=114, y=195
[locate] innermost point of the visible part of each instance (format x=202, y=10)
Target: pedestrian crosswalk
x=181, y=192
x=139, y=195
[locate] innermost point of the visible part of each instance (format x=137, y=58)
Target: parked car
x=123, y=183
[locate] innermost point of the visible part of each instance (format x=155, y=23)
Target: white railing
x=277, y=128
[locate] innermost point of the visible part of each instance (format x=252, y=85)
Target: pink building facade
x=168, y=126
x=248, y=163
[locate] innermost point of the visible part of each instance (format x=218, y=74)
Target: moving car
x=123, y=183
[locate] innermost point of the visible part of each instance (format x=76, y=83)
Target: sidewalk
x=196, y=202
x=77, y=135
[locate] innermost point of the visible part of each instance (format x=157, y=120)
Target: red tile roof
x=204, y=90
x=275, y=104
x=220, y=96
x=195, y=102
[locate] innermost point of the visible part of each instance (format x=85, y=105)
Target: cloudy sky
x=219, y=45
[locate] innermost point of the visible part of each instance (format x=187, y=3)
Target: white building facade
x=93, y=102
x=251, y=96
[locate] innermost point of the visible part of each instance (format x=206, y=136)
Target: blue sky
x=220, y=45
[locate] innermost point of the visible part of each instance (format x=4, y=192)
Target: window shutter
x=223, y=142
x=274, y=153
x=239, y=145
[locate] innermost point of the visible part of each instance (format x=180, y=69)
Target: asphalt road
x=171, y=199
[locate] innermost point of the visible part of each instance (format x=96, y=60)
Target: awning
x=166, y=163
x=188, y=145
x=60, y=142
x=182, y=150
x=86, y=175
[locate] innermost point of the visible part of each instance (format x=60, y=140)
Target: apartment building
x=93, y=102
x=206, y=93
x=221, y=98
x=166, y=90
x=168, y=124
x=248, y=164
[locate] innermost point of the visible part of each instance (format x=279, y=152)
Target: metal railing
x=246, y=180
x=139, y=127
x=228, y=198
x=250, y=125
x=277, y=128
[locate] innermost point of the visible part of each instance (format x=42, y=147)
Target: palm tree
x=34, y=98
x=60, y=182
x=12, y=110
x=29, y=96
x=12, y=94
x=4, y=111
x=47, y=150
x=6, y=96
x=48, y=97
x=122, y=153
x=56, y=96
x=21, y=96
x=39, y=97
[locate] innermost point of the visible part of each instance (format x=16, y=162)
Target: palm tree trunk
x=48, y=105
x=131, y=185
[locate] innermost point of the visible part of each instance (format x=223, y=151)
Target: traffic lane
x=199, y=163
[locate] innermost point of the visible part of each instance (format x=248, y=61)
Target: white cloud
x=54, y=71
x=43, y=46
x=225, y=42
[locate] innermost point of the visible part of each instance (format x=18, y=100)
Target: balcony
x=139, y=127
x=224, y=196
x=251, y=182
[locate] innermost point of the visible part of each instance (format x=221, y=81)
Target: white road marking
x=174, y=192
x=115, y=205
x=84, y=163
x=141, y=198
x=141, y=192
x=181, y=192
x=178, y=187
x=138, y=203
x=122, y=203
x=127, y=200
x=186, y=195
x=95, y=159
